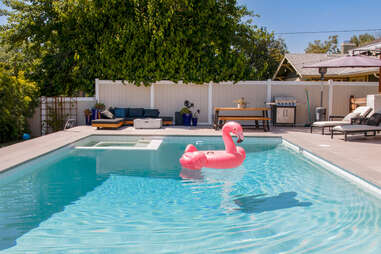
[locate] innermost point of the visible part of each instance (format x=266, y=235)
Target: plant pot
x=240, y=105
x=94, y=114
x=88, y=119
x=178, y=118
x=187, y=119
x=194, y=121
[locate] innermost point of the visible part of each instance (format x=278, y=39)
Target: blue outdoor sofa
x=126, y=116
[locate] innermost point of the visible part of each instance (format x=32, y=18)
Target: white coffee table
x=148, y=123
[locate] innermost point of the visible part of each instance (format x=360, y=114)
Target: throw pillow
x=105, y=114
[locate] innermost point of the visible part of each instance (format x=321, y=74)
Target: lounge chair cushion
x=351, y=115
x=356, y=128
x=121, y=112
x=330, y=123
x=374, y=120
x=363, y=110
x=136, y=112
x=109, y=121
x=151, y=113
x=105, y=114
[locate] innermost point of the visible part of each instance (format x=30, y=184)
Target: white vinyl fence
x=169, y=97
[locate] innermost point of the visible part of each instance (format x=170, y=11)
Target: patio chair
x=357, y=115
x=372, y=125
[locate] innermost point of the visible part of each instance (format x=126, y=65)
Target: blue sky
x=307, y=15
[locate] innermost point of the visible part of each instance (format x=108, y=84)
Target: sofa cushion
x=151, y=113
x=121, y=112
x=136, y=112
x=108, y=121
x=105, y=114
x=167, y=118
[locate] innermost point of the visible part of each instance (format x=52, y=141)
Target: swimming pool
x=141, y=201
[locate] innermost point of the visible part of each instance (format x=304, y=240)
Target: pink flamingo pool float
x=232, y=157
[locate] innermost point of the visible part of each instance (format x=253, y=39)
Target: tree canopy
x=328, y=46
x=362, y=39
x=70, y=43
x=17, y=102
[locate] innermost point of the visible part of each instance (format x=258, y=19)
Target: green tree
x=17, y=102
x=263, y=52
x=329, y=46
x=362, y=39
x=142, y=41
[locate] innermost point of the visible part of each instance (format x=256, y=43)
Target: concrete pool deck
x=358, y=156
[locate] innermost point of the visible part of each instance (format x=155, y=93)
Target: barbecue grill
x=283, y=111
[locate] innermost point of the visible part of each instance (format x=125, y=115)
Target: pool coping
x=337, y=170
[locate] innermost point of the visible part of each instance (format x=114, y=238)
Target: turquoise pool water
x=140, y=201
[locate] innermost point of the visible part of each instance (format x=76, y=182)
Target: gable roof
x=297, y=61
x=376, y=44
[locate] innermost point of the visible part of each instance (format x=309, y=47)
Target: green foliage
x=261, y=50
x=329, y=46
x=362, y=39
x=17, y=102
x=187, y=107
x=70, y=43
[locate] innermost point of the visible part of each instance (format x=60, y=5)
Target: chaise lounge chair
x=358, y=114
x=372, y=124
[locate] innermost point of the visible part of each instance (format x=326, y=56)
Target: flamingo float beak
x=240, y=137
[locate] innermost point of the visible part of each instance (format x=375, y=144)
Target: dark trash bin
x=320, y=113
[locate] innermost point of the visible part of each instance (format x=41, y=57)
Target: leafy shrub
x=18, y=99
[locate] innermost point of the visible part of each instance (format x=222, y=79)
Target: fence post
x=43, y=100
x=268, y=90
x=97, y=90
x=210, y=103
x=152, y=101
x=330, y=97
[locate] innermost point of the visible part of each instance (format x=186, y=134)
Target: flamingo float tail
x=193, y=159
x=190, y=149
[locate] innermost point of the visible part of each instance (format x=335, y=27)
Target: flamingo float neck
x=228, y=141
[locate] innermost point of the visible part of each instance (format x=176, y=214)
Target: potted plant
x=241, y=103
x=195, y=117
x=97, y=110
x=187, y=113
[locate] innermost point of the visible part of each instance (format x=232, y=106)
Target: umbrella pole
x=379, y=79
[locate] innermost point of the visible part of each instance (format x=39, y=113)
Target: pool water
x=141, y=201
